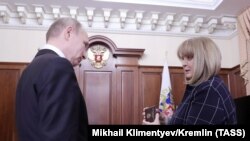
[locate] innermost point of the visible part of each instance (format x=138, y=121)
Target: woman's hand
x=155, y=122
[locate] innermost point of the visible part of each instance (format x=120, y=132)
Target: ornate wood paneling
x=115, y=93
x=177, y=83
x=234, y=81
x=9, y=76
x=98, y=96
x=127, y=94
x=238, y=86
x=149, y=87
x=111, y=91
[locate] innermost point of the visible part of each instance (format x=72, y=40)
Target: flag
x=166, y=105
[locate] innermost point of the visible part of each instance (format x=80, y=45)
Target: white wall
x=22, y=45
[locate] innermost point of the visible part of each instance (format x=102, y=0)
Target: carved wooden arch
x=99, y=39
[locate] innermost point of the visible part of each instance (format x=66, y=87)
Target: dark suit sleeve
x=59, y=102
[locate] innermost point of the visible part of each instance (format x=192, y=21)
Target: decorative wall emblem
x=98, y=55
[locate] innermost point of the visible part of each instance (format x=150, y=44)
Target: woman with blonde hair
x=206, y=100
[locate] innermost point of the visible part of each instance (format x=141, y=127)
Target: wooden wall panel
x=114, y=95
x=238, y=86
x=9, y=76
x=234, y=81
x=98, y=96
x=8, y=81
x=224, y=74
x=177, y=83
x=149, y=87
x=127, y=94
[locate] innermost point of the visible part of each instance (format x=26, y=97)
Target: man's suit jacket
x=49, y=102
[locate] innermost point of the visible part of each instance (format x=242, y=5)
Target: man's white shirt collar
x=55, y=49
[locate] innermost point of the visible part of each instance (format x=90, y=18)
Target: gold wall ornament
x=98, y=55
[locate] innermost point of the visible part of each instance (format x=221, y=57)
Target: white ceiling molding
x=123, y=15
x=119, y=21
x=229, y=23
x=154, y=20
x=183, y=23
x=198, y=24
x=73, y=11
x=39, y=14
x=4, y=13
x=106, y=14
x=90, y=15
x=56, y=12
x=22, y=14
x=138, y=19
x=199, y=4
x=212, y=25
x=169, y=22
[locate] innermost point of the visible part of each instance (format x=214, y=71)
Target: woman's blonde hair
x=206, y=58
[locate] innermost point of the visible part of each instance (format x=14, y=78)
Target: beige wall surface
x=21, y=46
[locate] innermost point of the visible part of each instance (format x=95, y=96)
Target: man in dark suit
x=49, y=102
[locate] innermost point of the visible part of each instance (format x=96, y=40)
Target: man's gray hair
x=57, y=27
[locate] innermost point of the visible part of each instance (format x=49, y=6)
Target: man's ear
x=68, y=32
